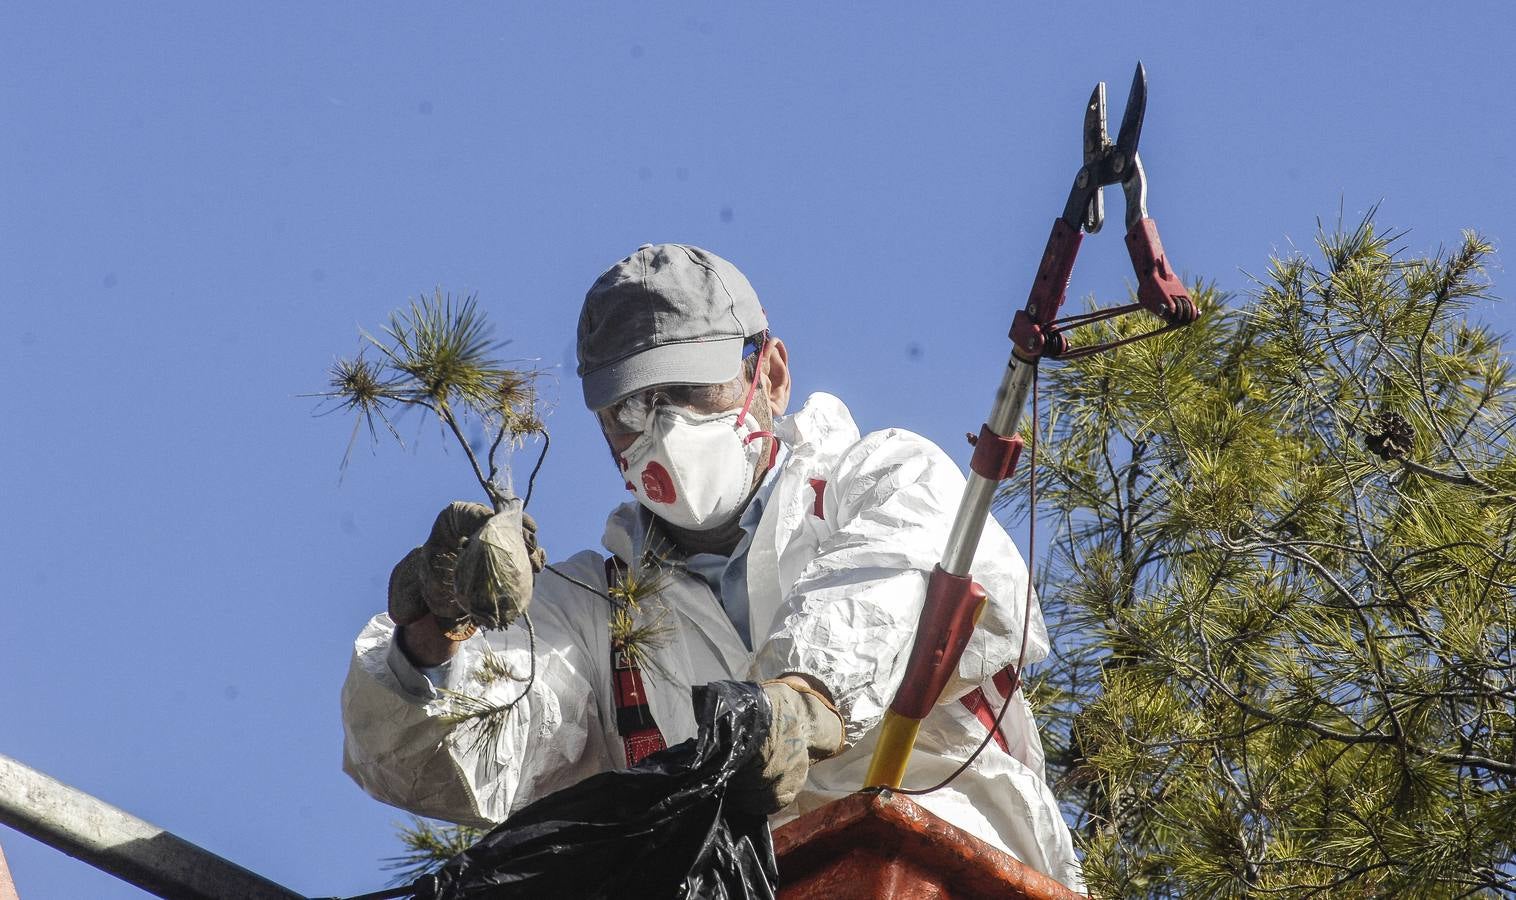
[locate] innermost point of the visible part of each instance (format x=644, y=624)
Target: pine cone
x=1389, y=436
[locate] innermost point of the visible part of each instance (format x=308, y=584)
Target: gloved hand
x=475, y=568
x=805, y=727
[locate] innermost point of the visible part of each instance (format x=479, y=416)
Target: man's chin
x=705, y=528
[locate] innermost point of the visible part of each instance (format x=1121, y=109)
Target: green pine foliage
x=1282, y=577
x=438, y=355
x=426, y=845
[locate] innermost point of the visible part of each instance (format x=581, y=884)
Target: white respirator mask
x=693, y=469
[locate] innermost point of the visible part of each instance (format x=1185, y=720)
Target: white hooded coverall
x=836, y=575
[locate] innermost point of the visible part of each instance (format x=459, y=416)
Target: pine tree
x=1282, y=580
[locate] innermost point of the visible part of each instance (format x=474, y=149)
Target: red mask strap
x=773, y=445
x=752, y=389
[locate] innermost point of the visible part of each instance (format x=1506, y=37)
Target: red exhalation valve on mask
x=657, y=485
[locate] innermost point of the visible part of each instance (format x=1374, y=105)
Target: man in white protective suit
x=784, y=549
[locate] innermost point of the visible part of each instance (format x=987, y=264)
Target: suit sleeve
x=412, y=745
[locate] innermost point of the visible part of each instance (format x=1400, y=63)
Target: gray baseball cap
x=667, y=314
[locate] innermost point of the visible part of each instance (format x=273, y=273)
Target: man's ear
x=776, y=376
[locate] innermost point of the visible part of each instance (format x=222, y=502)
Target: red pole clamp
x=1159, y=290
x=995, y=456
x=952, y=607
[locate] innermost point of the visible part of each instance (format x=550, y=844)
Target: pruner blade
x=1131, y=120
x=1133, y=182
x=1096, y=141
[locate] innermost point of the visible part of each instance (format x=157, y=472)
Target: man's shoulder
x=891, y=448
x=823, y=428
x=825, y=424
x=835, y=452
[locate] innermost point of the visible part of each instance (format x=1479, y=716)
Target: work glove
x=804, y=727
x=475, y=569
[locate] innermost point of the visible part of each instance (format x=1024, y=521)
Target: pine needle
x=638, y=622
x=485, y=720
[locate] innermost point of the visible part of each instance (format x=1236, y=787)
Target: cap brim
x=692, y=362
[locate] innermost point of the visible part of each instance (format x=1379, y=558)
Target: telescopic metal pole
x=979, y=492
x=114, y=841
x=953, y=602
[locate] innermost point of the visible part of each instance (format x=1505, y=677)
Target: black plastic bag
x=660, y=829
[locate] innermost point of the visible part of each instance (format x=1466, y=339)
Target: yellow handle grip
x=897, y=735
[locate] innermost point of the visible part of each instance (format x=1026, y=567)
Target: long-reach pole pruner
x=953, y=600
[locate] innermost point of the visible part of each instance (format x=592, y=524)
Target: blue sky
x=203, y=202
